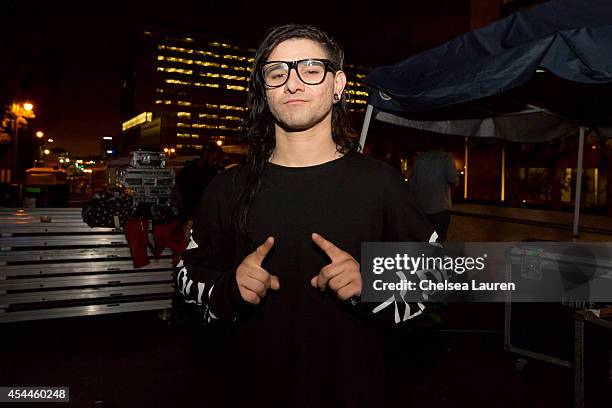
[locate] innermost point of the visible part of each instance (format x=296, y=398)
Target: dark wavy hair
x=258, y=126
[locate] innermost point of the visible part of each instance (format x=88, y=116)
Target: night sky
x=65, y=56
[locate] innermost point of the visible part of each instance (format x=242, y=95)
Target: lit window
x=204, y=126
x=184, y=103
x=231, y=118
x=206, y=85
x=194, y=136
x=234, y=77
x=160, y=57
x=174, y=59
x=209, y=74
x=181, y=124
x=184, y=115
x=183, y=135
x=223, y=127
x=234, y=67
x=207, y=115
x=234, y=57
x=176, y=82
x=350, y=91
x=206, y=63
x=208, y=53
x=235, y=87
x=159, y=90
x=231, y=107
x=211, y=106
x=178, y=70
x=177, y=49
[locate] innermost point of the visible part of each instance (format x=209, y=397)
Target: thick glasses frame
x=293, y=65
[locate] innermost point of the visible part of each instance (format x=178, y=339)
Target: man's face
x=296, y=105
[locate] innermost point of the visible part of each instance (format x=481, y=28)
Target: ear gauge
x=336, y=97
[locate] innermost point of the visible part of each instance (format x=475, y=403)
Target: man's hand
x=341, y=275
x=253, y=280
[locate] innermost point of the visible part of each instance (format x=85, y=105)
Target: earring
x=336, y=97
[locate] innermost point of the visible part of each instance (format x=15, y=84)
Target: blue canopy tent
x=530, y=77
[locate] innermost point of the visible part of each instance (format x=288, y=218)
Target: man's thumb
x=274, y=282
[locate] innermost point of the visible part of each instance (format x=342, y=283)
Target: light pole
x=21, y=112
x=39, y=144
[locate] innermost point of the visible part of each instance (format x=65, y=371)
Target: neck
x=304, y=148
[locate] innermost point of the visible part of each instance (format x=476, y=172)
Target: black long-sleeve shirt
x=304, y=347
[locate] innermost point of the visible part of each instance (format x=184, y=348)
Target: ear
x=339, y=82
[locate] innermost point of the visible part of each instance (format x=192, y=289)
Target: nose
x=294, y=83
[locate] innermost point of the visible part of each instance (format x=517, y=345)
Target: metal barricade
x=53, y=265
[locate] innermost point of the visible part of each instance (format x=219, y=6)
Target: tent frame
x=530, y=108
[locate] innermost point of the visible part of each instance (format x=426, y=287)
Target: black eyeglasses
x=311, y=71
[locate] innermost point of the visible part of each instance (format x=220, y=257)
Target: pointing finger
x=260, y=253
x=329, y=248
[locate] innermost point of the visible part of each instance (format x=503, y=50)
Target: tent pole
x=503, y=173
x=366, y=126
x=578, y=183
x=465, y=171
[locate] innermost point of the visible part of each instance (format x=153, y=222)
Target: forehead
x=297, y=49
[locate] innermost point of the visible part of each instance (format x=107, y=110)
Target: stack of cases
x=147, y=178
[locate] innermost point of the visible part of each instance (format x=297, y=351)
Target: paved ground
x=479, y=223
x=139, y=360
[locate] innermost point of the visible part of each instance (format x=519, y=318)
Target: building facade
x=181, y=90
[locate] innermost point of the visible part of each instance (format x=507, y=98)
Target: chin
x=298, y=123
x=295, y=126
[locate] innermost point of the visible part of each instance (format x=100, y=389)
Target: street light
x=21, y=112
x=46, y=151
x=39, y=134
x=50, y=140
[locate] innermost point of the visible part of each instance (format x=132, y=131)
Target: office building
x=182, y=90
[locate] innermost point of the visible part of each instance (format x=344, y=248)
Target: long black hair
x=258, y=126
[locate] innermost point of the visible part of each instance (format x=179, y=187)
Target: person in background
x=432, y=177
x=193, y=178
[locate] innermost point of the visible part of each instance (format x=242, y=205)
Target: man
x=432, y=177
x=194, y=177
x=276, y=242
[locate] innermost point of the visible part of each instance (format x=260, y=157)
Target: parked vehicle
x=47, y=185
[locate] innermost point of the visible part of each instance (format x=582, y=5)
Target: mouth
x=294, y=101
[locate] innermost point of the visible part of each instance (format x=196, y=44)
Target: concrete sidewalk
x=483, y=223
